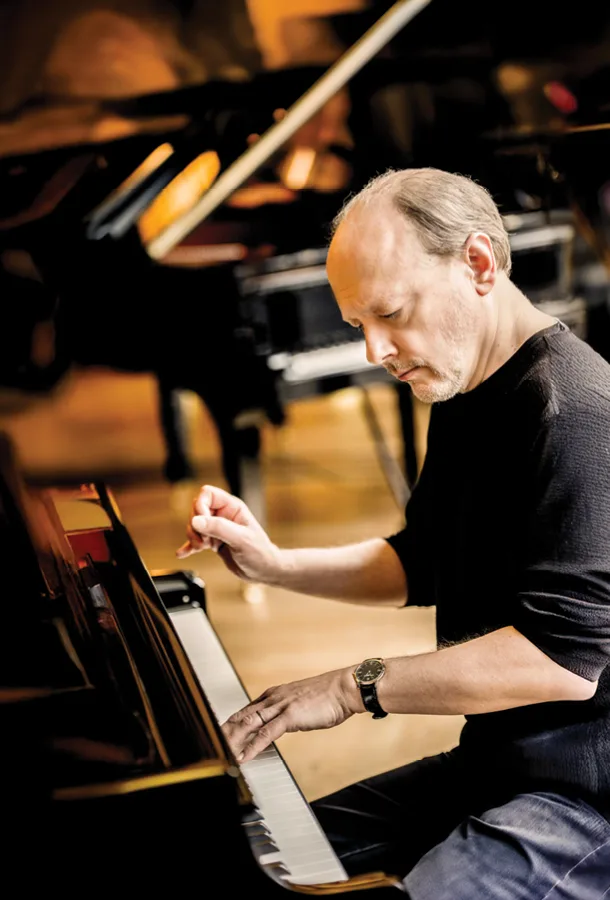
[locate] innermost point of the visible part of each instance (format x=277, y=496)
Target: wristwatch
x=366, y=676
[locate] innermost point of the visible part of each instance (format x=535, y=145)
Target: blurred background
x=156, y=344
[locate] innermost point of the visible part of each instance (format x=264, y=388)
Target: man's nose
x=378, y=346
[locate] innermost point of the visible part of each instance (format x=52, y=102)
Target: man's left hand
x=321, y=701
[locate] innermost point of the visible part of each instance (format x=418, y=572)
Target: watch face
x=370, y=670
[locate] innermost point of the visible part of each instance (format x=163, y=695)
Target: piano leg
x=394, y=475
x=240, y=441
x=248, y=462
x=240, y=445
x=177, y=465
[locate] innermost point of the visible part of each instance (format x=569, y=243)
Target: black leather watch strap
x=371, y=701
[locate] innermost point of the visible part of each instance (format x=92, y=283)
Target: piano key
x=307, y=276
x=323, y=362
x=303, y=849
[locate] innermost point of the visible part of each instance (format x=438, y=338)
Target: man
x=507, y=534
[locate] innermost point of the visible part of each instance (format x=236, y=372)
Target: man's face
x=419, y=314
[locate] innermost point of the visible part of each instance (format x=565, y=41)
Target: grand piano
x=115, y=770
x=115, y=684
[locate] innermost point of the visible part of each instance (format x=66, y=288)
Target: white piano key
x=339, y=359
x=303, y=848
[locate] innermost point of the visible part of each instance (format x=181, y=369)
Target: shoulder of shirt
x=567, y=367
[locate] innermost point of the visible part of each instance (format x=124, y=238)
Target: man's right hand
x=223, y=523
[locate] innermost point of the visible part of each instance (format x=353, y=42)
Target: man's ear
x=480, y=258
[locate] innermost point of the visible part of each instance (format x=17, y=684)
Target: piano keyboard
x=307, y=276
x=322, y=362
x=300, y=847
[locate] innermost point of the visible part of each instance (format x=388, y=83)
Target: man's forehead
x=373, y=234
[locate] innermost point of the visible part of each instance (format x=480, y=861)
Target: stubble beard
x=458, y=326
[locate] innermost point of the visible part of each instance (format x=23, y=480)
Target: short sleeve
x=563, y=599
x=410, y=546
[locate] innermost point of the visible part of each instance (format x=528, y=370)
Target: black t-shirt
x=509, y=524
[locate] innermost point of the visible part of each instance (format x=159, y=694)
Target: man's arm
x=369, y=572
x=500, y=670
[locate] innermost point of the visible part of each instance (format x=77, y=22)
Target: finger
x=244, y=726
x=190, y=547
x=224, y=530
x=202, y=506
x=198, y=541
x=185, y=550
x=194, y=543
x=240, y=728
x=221, y=503
x=262, y=738
x=202, y=502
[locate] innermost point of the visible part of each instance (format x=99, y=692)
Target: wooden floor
x=323, y=485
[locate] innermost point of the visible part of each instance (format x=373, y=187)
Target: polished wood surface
x=323, y=485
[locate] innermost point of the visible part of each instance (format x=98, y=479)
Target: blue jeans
x=451, y=832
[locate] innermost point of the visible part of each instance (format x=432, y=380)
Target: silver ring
x=260, y=717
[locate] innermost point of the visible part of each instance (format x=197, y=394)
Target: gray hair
x=444, y=209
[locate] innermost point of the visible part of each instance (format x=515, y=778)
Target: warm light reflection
x=298, y=167
x=152, y=162
x=198, y=255
x=346, y=399
x=179, y=195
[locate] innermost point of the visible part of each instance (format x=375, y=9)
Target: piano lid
x=68, y=66
x=78, y=74
x=64, y=62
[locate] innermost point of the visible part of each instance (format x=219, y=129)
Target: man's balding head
x=442, y=208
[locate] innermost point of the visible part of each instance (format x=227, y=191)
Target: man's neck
x=517, y=320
